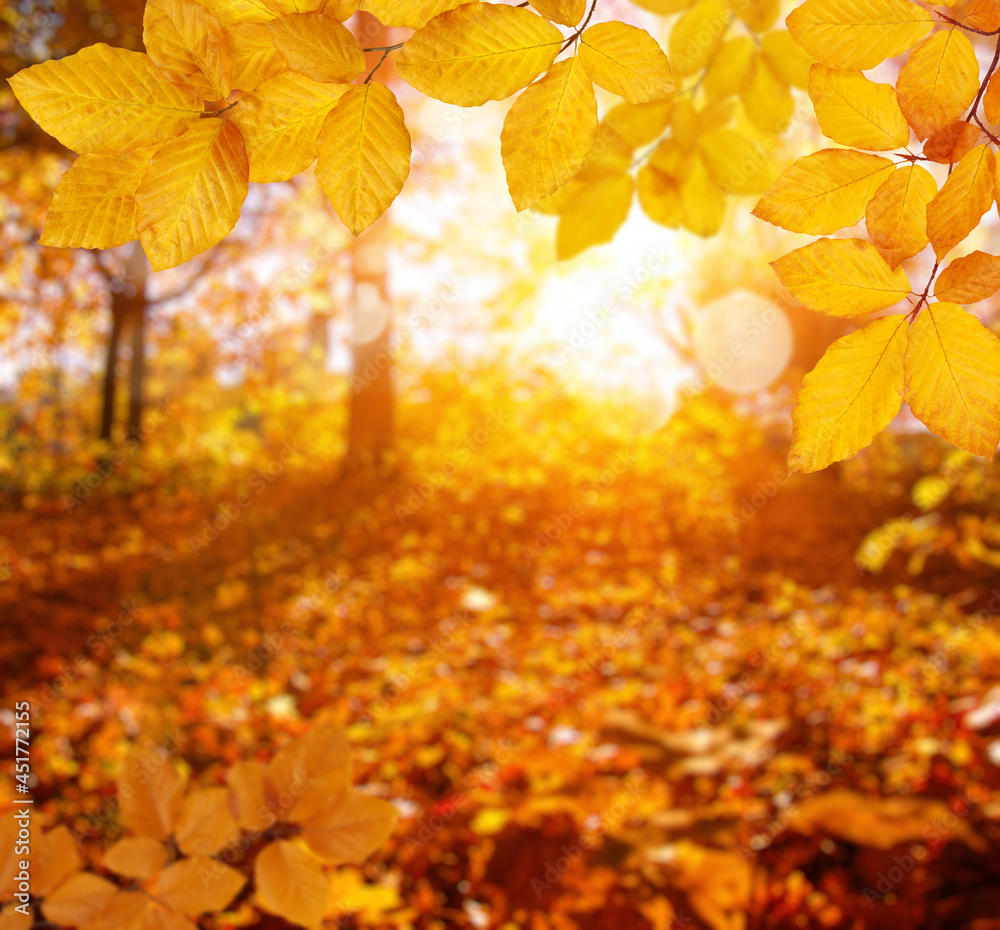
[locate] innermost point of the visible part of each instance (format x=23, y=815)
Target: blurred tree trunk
x=371, y=406
x=110, y=364
x=137, y=372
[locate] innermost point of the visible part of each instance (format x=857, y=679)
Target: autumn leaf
x=703, y=208
x=858, y=34
x=594, y=215
x=730, y=70
x=233, y=12
x=105, y=99
x=247, y=793
x=788, y=60
x=364, y=155
x=567, y=12
x=255, y=59
x=192, y=194
x=938, y=82
x=136, y=857
x=841, y=277
x=824, y=192
x=991, y=99
x=281, y=121
x=318, y=46
x=766, y=99
x=953, y=377
x=126, y=910
x=290, y=883
x=94, y=205
x=548, y=132
x=736, y=163
x=151, y=792
x=626, y=61
x=198, y=885
x=637, y=125
x=960, y=204
x=55, y=860
x=311, y=770
x=896, y=217
x=857, y=112
x=659, y=196
x=478, y=52
x=412, y=14
x=697, y=35
x=79, y=900
x=853, y=393
x=983, y=15
x=951, y=144
x=969, y=279
x=189, y=46
x=350, y=829
x=206, y=825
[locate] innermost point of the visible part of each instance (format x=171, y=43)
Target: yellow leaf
x=731, y=69
x=197, y=886
x=350, y=829
x=192, y=195
x=79, y=900
x=697, y=35
x=970, y=279
x=853, y=394
x=953, y=143
x=736, y=163
x=291, y=7
x=105, y=99
x=93, y=206
x=567, y=12
x=479, y=52
x=626, y=61
x=290, y=883
x=639, y=125
x=767, y=101
x=659, y=196
x=364, y=155
x=896, y=216
x=55, y=859
x=788, y=60
x=151, y=793
x=594, y=215
x=340, y=9
x=759, y=15
x=858, y=34
x=281, y=121
x=938, y=82
x=233, y=12
x=413, y=14
x=318, y=46
x=255, y=59
x=703, y=208
x=548, y=132
x=953, y=378
x=857, y=112
x=841, y=277
x=967, y=194
x=247, y=793
x=136, y=857
x=311, y=769
x=991, y=99
x=188, y=45
x=206, y=825
x=823, y=192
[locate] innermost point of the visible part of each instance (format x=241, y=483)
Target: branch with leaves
x=938, y=356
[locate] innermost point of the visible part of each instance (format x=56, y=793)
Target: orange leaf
x=55, y=861
x=247, y=794
x=970, y=279
x=290, y=883
x=950, y=144
x=206, y=825
x=136, y=857
x=197, y=885
x=308, y=771
x=79, y=900
x=958, y=207
x=350, y=829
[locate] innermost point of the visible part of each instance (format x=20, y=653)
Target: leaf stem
x=576, y=35
x=911, y=316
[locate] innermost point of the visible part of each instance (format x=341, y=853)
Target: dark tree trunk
x=371, y=406
x=137, y=371
x=110, y=364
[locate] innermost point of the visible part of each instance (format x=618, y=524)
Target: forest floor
x=604, y=687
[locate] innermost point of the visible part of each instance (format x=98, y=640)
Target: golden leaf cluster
x=937, y=356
